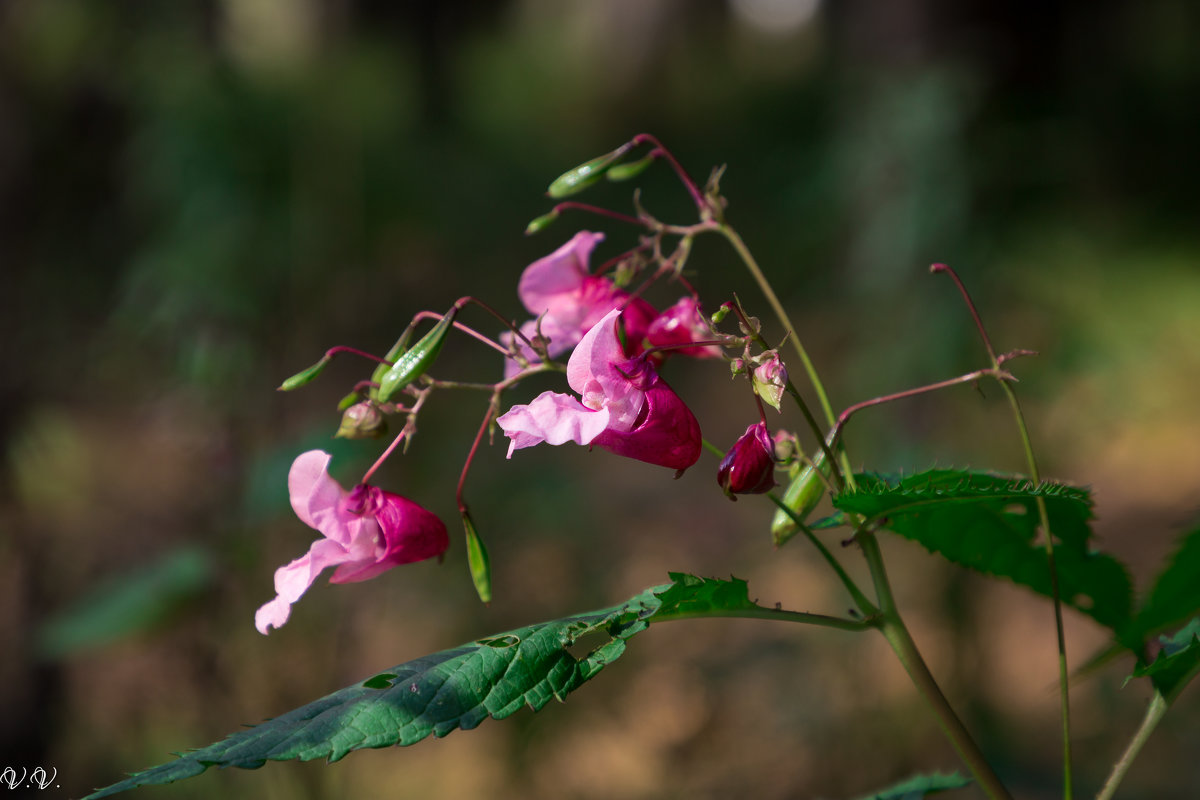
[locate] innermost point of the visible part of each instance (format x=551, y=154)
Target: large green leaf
x=989, y=523
x=1177, y=663
x=459, y=688
x=920, y=786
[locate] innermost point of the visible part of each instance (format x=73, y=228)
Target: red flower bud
x=749, y=466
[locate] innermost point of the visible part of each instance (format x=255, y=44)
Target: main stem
x=1154, y=713
x=893, y=629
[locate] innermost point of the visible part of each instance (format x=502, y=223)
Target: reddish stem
x=689, y=184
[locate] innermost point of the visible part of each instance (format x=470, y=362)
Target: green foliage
x=1178, y=662
x=129, y=603
x=1173, y=598
x=458, y=688
x=989, y=523
x=920, y=786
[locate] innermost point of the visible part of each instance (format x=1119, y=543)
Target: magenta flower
x=682, y=323
x=626, y=407
x=770, y=378
x=367, y=531
x=749, y=466
x=569, y=300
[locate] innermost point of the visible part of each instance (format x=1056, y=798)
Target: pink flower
x=626, y=407
x=570, y=301
x=366, y=532
x=683, y=323
x=749, y=466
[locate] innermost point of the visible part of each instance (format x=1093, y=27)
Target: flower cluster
x=624, y=407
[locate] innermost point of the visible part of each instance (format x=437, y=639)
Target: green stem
x=893, y=629
x=772, y=300
x=1043, y=519
x=864, y=604
x=1154, y=713
x=803, y=617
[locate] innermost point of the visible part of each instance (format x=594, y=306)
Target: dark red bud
x=749, y=466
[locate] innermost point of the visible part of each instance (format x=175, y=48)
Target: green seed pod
x=417, y=360
x=801, y=497
x=477, y=559
x=397, y=349
x=623, y=172
x=540, y=223
x=307, y=376
x=576, y=180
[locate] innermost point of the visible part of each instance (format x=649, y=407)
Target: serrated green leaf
x=1173, y=597
x=458, y=688
x=920, y=786
x=1178, y=662
x=989, y=523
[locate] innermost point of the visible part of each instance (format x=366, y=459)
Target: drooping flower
x=749, y=466
x=569, y=301
x=681, y=324
x=365, y=531
x=624, y=407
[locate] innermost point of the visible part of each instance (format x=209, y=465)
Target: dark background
x=197, y=198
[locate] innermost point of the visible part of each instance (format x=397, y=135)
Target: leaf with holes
x=459, y=688
x=989, y=523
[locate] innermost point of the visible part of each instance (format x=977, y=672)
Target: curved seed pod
x=801, y=496
x=477, y=559
x=305, y=376
x=417, y=360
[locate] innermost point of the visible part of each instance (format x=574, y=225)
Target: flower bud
x=749, y=466
x=770, y=378
x=363, y=420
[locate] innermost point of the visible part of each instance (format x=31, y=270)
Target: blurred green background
x=197, y=198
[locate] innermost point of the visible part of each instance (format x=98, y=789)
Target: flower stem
x=803, y=617
x=1044, y=521
x=1154, y=714
x=865, y=605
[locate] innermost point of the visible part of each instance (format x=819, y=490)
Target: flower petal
x=552, y=418
x=292, y=581
x=409, y=533
x=317, y=498
x=667, y=434
x=546, y=283
x=593, y=370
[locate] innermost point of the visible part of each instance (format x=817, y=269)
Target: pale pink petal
x=552, y=418
x=292, y=581
x=593, y=370
x=316, y=497
x=546, y=284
